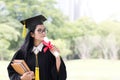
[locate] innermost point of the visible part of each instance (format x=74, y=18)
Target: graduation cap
x=31, y=23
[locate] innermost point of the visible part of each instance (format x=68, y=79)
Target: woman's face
x=39, y=33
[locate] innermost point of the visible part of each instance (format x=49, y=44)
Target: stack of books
x=20, y=66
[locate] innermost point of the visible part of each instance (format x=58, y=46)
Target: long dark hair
x=29, y=42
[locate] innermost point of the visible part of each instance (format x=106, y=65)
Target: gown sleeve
x=62, y=74
x=13, y=75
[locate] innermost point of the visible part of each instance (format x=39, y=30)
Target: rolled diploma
x=56, y=53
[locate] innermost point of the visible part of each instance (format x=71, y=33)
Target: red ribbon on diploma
x=48, y=45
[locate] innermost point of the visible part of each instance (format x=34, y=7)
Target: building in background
x=74, y=9
x=98, y=10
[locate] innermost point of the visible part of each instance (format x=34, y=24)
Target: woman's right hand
x=27, y=76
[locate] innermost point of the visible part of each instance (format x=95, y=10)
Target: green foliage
x=110, y=27
x=60, y=29
x=8, y=33
x=4, y=44
x=22, y=9
x=69, y=31
x=81, y=27
x=87, y=26
x=4, y=52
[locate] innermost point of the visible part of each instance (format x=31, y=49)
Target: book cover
x=20, y=66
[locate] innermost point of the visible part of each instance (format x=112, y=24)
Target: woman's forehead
x=41, y=26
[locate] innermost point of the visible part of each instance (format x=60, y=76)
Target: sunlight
x=103, y=9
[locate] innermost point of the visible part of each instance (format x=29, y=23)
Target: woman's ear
x=32, y=34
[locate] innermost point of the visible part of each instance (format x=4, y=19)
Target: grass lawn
x=3, y=70
x=85, y=69
x=93, y=69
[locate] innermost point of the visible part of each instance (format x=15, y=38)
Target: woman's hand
x=55, y=51
x=27, y=76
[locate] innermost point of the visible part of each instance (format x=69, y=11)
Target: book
x=20, y=66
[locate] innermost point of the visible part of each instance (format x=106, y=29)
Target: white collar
x=38, y=48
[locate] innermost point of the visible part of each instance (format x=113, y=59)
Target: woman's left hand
x=55, y=51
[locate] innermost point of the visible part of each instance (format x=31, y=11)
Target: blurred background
x=87, y=32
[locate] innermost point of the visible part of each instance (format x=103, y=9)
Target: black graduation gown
x=47, y=66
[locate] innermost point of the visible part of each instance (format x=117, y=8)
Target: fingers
x=27, y=75
x=54, y=48
x=32, y=74
x=55, y=51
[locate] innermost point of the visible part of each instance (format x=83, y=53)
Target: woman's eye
x=39, y=30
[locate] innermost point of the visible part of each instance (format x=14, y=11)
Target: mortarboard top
x=33, y=21
x=30, y=23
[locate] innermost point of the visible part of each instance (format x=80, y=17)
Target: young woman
x=51, y=66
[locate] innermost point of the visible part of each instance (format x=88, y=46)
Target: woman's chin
x=42, y=38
